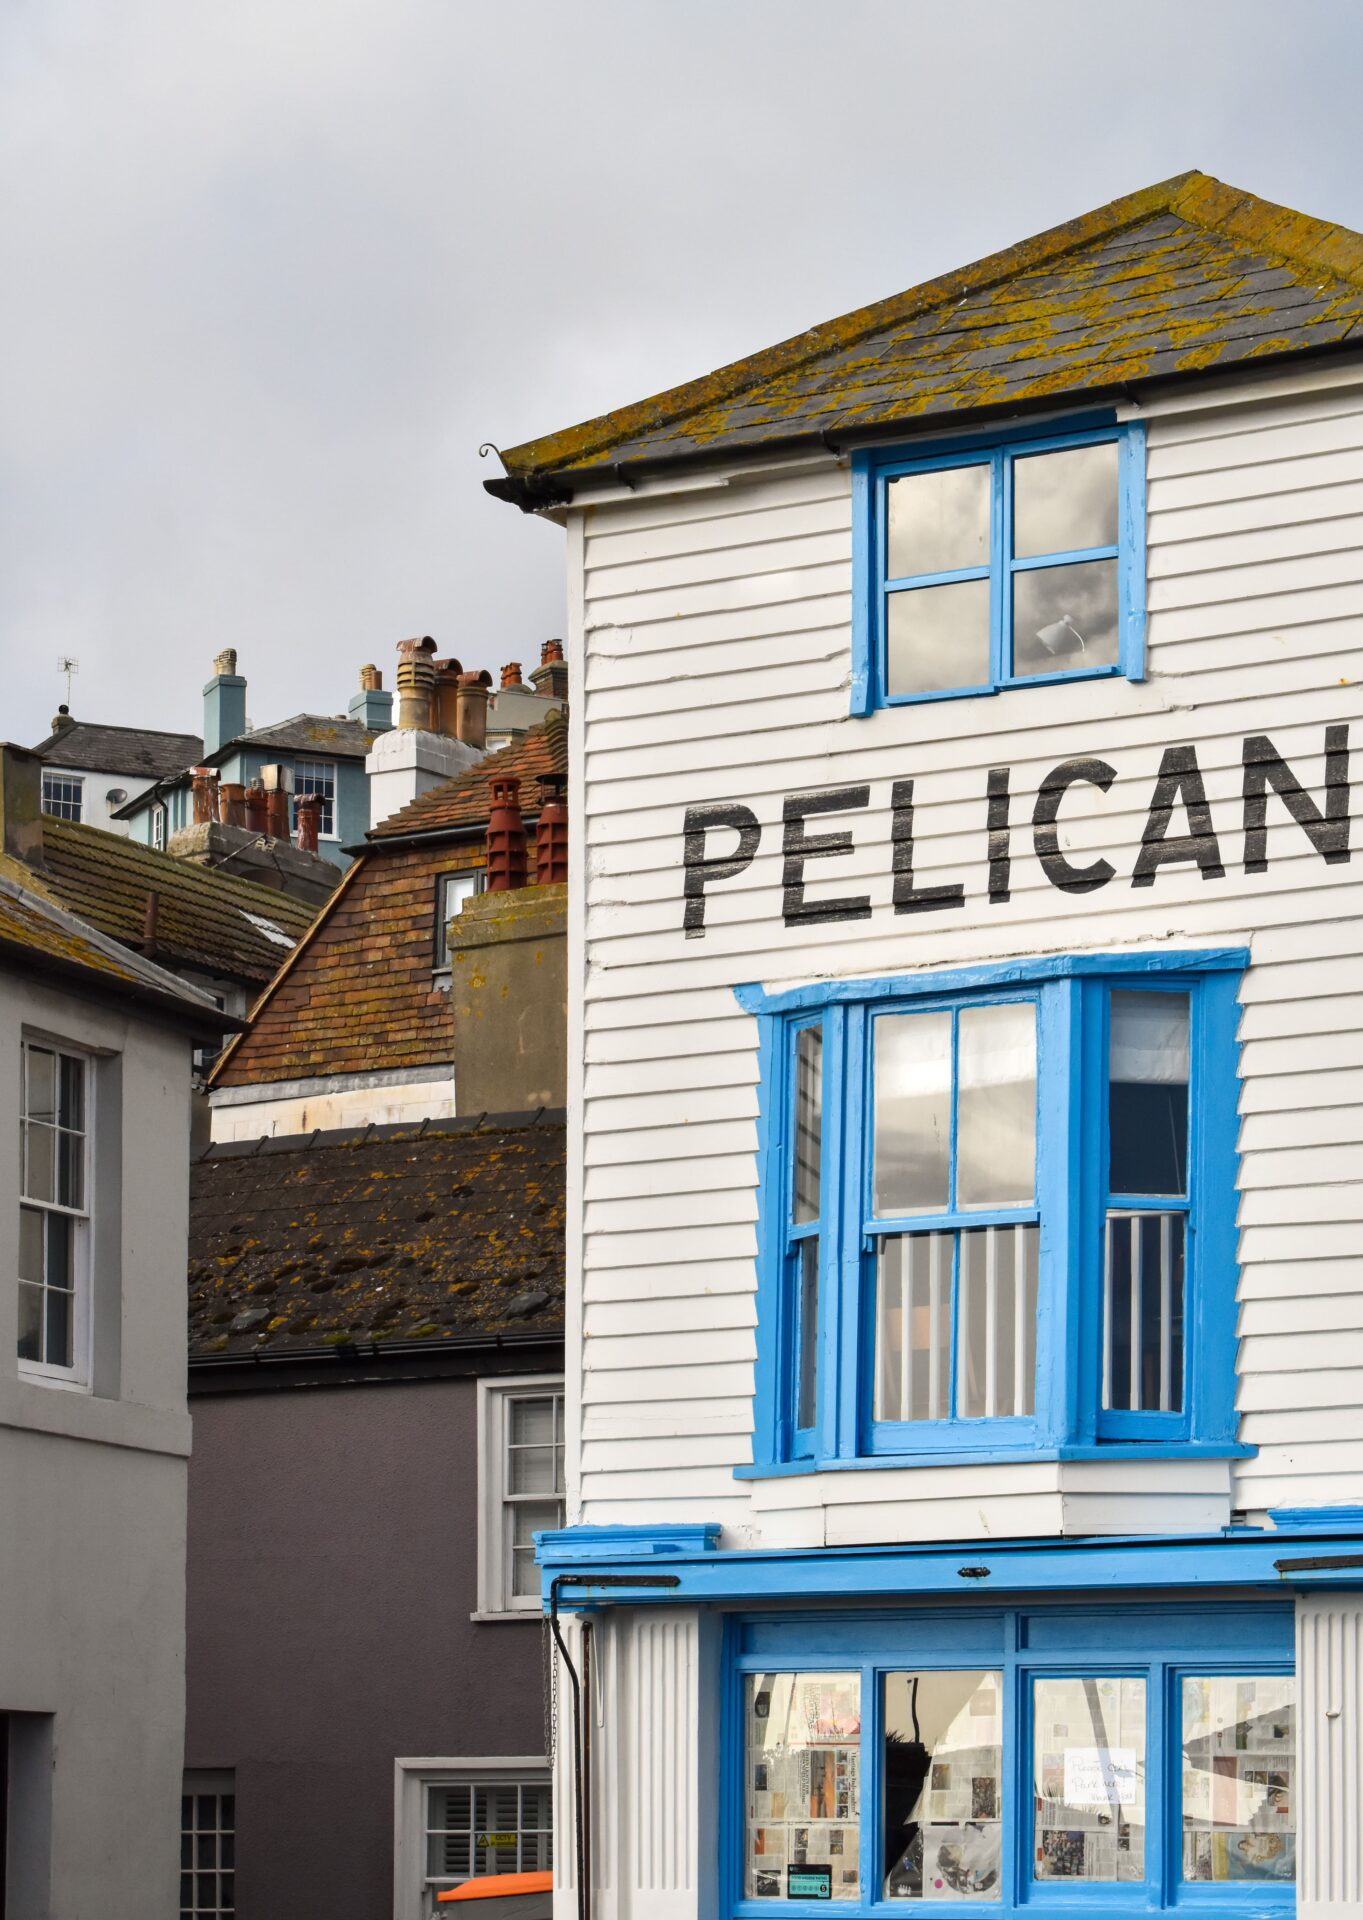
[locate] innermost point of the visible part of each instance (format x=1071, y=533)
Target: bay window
x=998, y=1210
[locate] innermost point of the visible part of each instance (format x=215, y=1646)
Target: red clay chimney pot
x=511, y=675
x=507, y=856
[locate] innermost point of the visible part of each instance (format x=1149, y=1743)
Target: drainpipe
x=581, y=1784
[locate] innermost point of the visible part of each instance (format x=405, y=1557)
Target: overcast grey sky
x=274, y=268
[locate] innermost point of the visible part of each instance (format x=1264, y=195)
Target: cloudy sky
x=273, y=269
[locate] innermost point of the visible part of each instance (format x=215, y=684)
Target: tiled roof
x=206, y=919
x=37, y=931
x=442, y=1232
x=132, y=750
x=464, y=803
x=323, y=734
x=359, y=992
x=1175, y=280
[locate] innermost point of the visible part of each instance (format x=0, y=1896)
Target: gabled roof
x=1176, y=280
x=135, y=751
x=35, y=931
x=462, y=804
x=439, y=1232
x=206, y=919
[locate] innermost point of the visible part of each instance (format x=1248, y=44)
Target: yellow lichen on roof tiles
x=1187, y=243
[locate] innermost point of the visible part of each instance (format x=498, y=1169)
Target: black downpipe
x=580, y=1851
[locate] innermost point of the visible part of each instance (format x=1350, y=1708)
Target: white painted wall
x=96, y=809
x=92, y=1485
x=399, y=1098
x=711, y=633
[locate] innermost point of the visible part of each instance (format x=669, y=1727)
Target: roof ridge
x=737, y=376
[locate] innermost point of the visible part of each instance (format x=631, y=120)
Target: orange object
x=492, y=1885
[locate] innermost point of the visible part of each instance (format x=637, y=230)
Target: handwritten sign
x=1100, y=1776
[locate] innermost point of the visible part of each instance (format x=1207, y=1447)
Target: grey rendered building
x=95, y=1052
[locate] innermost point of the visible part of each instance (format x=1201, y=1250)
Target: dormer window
x=994, y=565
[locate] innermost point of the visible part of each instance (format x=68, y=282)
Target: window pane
x=534, y=1470
x=1089, y=1779
x=30, y=1244
x=40, y=1089
x=808, y=1122
x=802, y=1791
x=1147, y=1103
x=532, y=1421
x=913, y=1326
x=1065, y=618
x=996, y=1106
x=937, y=638
x=1143, y=1269
x=995, y=1340
x=807, y=1396
x=943, y=1786
x=528, y=1518
x=937, y=522
x=71, y=1169
x=71, y=1106
x=40, y=1163
x=1065, y=502
x=1240, y=1778
x=30, y=1322
x=61, y=1251
x=912, y=1112
x=58, y=1346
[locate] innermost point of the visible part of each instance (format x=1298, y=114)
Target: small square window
x=998, y=565
x=63, y=795
x=451, y=892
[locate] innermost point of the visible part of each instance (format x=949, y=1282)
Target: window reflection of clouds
x=938, y=522
x=1081, y=600
x=938, y=637
x=1064, y=502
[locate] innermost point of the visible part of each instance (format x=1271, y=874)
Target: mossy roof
x=444, y=1231
x=1180, y=279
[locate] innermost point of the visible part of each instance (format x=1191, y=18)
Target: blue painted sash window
x=998, y=1212
x=1055, y=1760
x=982, y=564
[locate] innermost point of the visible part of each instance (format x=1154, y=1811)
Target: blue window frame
x=998, y=1212
x=981, y=564
x=1059, y=1760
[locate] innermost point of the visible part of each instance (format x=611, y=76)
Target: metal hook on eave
x=490, y=446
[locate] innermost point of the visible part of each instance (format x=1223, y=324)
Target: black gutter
x=361, y=1362
x=422, y=835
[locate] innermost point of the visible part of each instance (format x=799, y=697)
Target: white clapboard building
x=965, y=1336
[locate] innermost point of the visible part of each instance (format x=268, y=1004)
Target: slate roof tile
x=136, y=751
x=1180, y=277
x=430, y=1233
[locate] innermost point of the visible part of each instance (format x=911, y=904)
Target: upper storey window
x=998, y=565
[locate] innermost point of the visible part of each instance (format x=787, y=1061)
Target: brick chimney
x=550, y=677
x=21, y=819
x=507, y=857
x=551, y=834
x=224, y=703
x=371, y=706
x=471, y=708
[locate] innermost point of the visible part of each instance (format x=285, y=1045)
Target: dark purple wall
x=332, y=1572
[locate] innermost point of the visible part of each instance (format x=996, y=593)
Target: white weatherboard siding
x=715, y=641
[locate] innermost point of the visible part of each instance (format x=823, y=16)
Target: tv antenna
x=68, y=664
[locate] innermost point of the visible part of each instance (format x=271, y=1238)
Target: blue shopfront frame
x=1162, y=1644
x=1071, y=994
x=873, y=468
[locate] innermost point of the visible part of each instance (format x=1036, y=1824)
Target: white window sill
x=40, y=1376
x=523, y=1614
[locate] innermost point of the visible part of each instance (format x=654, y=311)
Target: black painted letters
x=1265, y=767
x=1179, y=782
x=1046, y=837
x=907, y=897
x=700, y=872
x=798, y=846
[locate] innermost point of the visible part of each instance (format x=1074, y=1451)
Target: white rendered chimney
x=408, y=761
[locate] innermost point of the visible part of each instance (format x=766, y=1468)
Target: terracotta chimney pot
x=226, y=661
x=471, y=709
x=277, y=812
x=551, y=835
x=232, y=803
x=371, y=680
x=257, y=809
x=307, y=811
x=445, y=704
x=507, y=857
x=416, y=682
x=204, y=789
x=511, y=675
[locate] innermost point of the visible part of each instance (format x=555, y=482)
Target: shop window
x=1100, y=1757
x=992, y=565
x=998, y=1211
